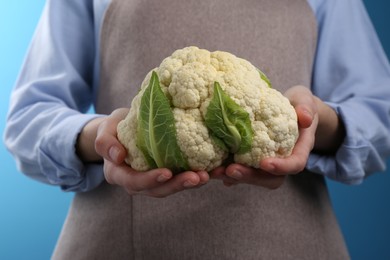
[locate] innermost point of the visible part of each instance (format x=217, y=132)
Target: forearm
x=330, y=132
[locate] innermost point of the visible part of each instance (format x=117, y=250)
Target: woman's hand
x=155, y=183
x=273, y=171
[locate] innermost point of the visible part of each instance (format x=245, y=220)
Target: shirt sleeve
x=352, y=75
x=52, y=95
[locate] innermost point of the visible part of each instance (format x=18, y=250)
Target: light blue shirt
x=59, y=81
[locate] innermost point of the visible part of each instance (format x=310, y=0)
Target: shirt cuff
x=355, y=158
x=59, y=161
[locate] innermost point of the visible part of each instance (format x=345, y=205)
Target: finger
x=204, y=177
x=249, y=175
x=304, y=103
x=296, y=162
x=218, y=173
x=106, y=143
x=305, y=116
x=132, y=180
x=230, y=183
x=180, y=182
x=156, y=183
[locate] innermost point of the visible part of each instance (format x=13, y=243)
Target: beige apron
x=295, y=221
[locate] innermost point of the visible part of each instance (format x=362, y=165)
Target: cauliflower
x=198, y=107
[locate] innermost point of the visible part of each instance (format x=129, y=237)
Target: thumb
x=107, y=144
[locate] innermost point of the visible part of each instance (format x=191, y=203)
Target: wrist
x=85, y=146
x=330, y=131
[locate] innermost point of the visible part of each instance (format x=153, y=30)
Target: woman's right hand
x=155, y=183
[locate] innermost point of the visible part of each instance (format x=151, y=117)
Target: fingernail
x=114, y=153
x=162, y=178
x=236, y=175
x=188, y=184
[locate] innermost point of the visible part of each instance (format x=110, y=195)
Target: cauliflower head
x=198, y=107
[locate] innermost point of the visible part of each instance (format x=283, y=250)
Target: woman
x=324, y=56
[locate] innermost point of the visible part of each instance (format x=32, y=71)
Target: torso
x=295, y=221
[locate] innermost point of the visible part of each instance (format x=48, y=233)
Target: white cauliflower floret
x=195, y=142
x=188, y=79
x=275, y=129
x=191, y=84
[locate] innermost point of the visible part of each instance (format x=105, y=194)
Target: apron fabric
x=295, y=221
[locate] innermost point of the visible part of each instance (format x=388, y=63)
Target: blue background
x=31, y=214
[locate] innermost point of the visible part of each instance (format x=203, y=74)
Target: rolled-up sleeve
x=54, y=91
x=352, y=74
